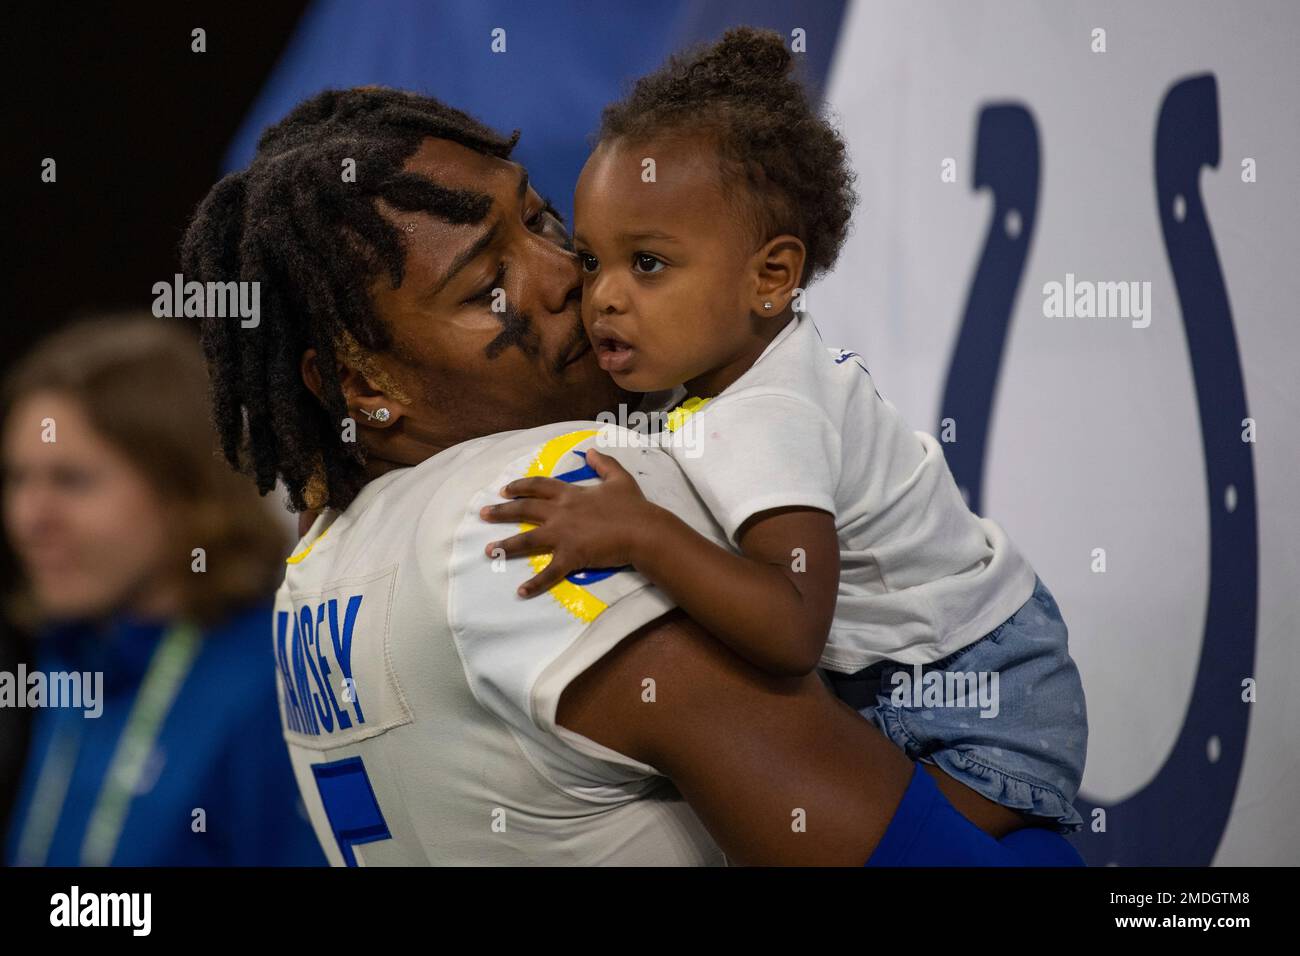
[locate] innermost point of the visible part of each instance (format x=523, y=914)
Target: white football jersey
x=418, y=692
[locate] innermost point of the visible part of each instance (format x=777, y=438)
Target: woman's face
x=89, y=529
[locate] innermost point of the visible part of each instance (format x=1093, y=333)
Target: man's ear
x=311, y=374
x=363, y=399
x=778, y=269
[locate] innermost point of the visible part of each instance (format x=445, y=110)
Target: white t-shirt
x=921, y=576
x=418, y=692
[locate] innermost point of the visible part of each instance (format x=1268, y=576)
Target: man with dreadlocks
x=432, y=715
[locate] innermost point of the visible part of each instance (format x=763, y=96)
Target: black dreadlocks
x=315, y=243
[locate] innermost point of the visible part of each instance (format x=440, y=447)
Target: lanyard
x=168, y=667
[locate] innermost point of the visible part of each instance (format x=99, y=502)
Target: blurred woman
x=147, y=561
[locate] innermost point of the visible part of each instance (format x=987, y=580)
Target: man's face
x=468, y=369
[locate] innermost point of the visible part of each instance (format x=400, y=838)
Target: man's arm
x=778, y=770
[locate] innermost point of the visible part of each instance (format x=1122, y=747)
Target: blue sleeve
x=927, y=830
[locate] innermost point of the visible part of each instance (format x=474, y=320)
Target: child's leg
x=992, y=818
x=1018, y=738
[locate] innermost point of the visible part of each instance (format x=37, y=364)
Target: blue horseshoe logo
x=1006, y=160
x=1179, y=817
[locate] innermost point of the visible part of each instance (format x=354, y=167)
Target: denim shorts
x=1004, y=715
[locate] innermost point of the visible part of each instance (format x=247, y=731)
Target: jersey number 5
x=350, y=805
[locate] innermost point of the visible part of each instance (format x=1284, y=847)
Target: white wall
x=1095, y=438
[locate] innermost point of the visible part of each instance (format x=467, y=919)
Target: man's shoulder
x=519, y=654
x=559, y=452
x=480, y=458
x=449, y=480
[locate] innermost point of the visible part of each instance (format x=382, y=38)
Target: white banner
x=1116, y=325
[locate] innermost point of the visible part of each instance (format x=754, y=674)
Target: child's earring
x=380, y=415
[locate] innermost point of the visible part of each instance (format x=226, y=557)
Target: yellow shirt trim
x=296, y=558
x=677, y=417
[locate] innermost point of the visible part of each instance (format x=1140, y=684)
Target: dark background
x=137, y=124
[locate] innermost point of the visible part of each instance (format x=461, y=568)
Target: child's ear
x=778, y=269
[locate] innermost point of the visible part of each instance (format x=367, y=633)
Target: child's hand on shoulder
x=593, y=526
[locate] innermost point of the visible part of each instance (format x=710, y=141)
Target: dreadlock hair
x=316, y=244
x=783, y=166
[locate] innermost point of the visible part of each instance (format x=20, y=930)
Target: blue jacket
x=218, y=749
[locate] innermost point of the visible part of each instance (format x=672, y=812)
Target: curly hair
x=316, y=243
x=784, y=167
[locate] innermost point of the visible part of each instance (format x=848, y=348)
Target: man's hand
x=599, y=526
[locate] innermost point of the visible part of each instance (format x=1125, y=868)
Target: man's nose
x=560, y=277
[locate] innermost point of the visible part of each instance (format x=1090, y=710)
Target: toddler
x=716, y=192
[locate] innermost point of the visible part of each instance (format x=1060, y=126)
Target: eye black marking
x=517, y=331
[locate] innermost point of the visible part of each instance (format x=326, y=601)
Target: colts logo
x=1158, y=824
x=571, y=593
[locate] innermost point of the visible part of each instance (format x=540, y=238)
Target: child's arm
x=773, y=605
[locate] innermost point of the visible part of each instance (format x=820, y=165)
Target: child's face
x=667, y=272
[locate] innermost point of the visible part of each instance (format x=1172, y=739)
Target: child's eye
x=588, y=262
x=642, y=258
